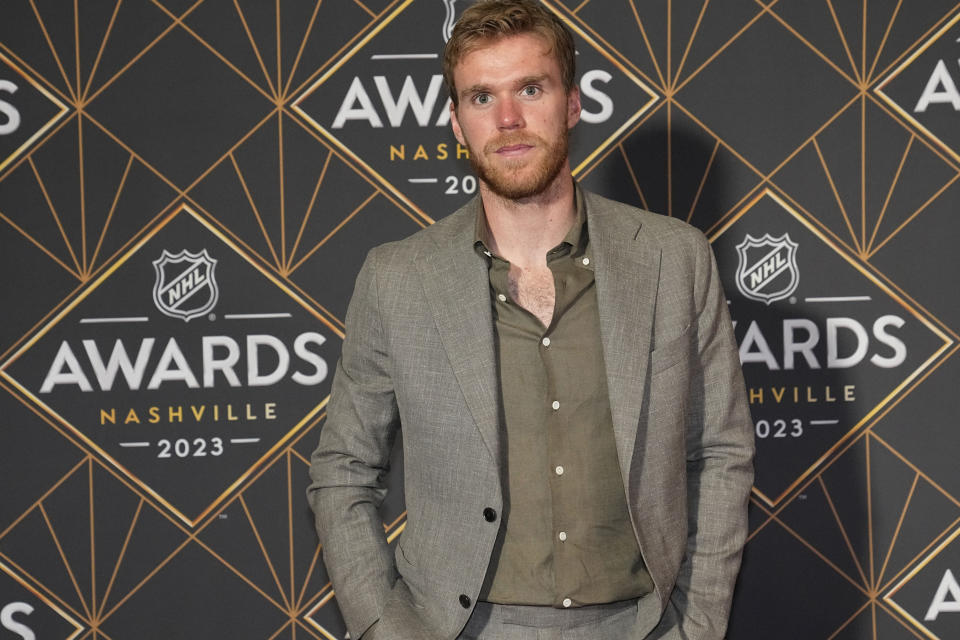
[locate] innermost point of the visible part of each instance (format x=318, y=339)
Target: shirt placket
x=557, y=426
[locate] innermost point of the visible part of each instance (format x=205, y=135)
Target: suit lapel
x=627, y=273
x=456, y=284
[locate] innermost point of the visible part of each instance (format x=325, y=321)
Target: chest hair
x=533, y=289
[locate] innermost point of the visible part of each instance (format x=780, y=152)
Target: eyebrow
x=522, y=82
x=477, y=88
x=532, y=80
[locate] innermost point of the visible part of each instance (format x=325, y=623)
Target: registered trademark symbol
x=212, y=317
x=793, y=300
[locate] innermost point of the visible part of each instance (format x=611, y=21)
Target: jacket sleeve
x=350, y=463
x=720, y=448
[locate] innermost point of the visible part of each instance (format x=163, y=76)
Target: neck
x=523, y=231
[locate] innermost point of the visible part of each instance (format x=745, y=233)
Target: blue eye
x=482, y=98
x=531, y=90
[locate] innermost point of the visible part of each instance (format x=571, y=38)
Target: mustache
x=508, y=140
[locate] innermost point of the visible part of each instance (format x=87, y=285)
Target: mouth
x=514, y=149
x=511, y=146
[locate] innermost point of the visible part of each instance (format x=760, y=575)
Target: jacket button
x=464, y=601
x=489, y=514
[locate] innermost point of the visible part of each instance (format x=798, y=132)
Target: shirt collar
x=576, y=237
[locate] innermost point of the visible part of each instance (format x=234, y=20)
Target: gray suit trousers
x=506, y=622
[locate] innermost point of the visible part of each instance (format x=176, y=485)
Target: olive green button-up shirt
x=566, y=538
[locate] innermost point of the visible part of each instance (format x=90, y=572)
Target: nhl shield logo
x=185, y=286
x=767, y=268
x=449, y=19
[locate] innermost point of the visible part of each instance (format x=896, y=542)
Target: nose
x=509, y=115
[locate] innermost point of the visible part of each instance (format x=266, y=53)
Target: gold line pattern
x=263, y=550
x=83, y=194
x=120, y=557
x=303, y=45
x=40, y=246
x=66, y=562
x=819, y=553
x=703, y=180
x=896, y=533
x=893, y=184
x=53, y=50
x=35, y=77
x=253, y=207
x=693, y=36
x=306, y=216
x=909, y=51
x=335, y=229
x=113, y=207
x=935, y=360
x=883, y=43
x=843, y=39
x=103, y=45
x=53, y=211
x=256, y=49
x=178, y=21
x=646, y=41
x=913, y=215
x=76, y=43
x=301, y=601
x=633, y=175
x=720, y=50
x=283, y=442
x=78, y=629
x=869, y=487
x=581, y=6
x=877, y=586
x=843, y=531
x=849, y=620
x=93, y=539
x=126, y=67
x=366, y=8
x=863, y=174
x=836, y=195
x=288, y=460
x=283, y=225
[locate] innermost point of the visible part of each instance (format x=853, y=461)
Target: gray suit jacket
x=419, y=352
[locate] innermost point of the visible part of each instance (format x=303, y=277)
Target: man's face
x=514, y=114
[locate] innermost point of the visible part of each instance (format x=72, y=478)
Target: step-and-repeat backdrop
x=188, y=189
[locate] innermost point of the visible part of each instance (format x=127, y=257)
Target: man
x=576, y=436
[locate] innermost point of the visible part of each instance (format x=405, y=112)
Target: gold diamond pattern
x=49, y=605
x=866, y=63
x=904, y=111
x=45, y=127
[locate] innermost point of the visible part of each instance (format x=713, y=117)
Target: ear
x=573, y=106
x=455, y=124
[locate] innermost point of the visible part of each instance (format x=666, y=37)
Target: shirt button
x=563, y=536
x=546, y=342
x=567, y=602
x=489, y=514
x=465, y=601
x=501, y=297
x=586, y=261
x=555, y=405
x=559, y=470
